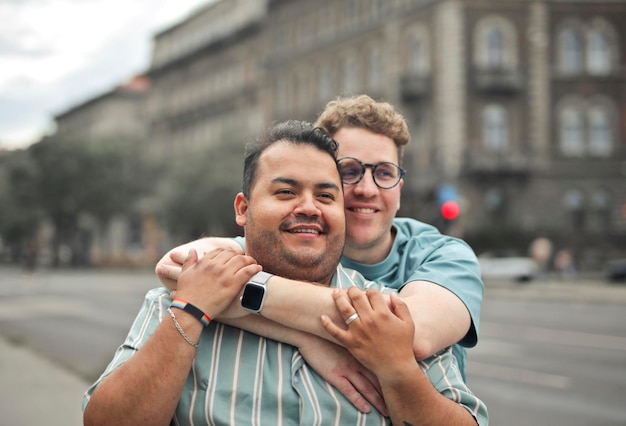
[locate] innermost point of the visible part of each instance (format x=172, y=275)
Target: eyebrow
x=293, y=182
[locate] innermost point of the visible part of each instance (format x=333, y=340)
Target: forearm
x=299, y=305
x=147, y=387
x=440, y=317
x=412, y=400
x=168, y=269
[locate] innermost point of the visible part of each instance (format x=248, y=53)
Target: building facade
x=517, y=108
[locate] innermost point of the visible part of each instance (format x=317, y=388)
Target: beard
x=302, y=264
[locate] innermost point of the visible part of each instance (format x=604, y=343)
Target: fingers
x=333, y=329
x=178, y=256
x=400, y=308
x=368, y=388
x=190, y=260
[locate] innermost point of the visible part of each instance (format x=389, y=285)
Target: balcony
x=415, y=87
x=498, y=164
x=498, y=80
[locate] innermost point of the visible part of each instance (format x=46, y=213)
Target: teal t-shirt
x=421, y=253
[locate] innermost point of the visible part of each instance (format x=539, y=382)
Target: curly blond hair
x=364, y=112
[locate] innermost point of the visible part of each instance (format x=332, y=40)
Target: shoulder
x=428, y=237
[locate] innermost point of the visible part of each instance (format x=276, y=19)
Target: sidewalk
x=35, y=391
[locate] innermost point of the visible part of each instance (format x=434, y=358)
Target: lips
x=304, y=231
x=363, y=210
x=304, y=228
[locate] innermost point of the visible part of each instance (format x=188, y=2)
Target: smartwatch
x=254, y=292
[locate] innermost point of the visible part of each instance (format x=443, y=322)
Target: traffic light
x=450, y=210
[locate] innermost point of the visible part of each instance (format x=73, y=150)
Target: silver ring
x=352, y=318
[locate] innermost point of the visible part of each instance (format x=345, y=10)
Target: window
x=350, y=71
x=325, y=83
x=601, y=205
x=586, y=127
x=495, y=128
x=572, y=140
x=599, y=52
x=574, y=204
x=495, y=49
x=375, y=75
x=600, y=138
x=495, y=44
x=571, y=52
x=417, y=51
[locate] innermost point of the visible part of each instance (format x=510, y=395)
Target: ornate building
x=516, y=107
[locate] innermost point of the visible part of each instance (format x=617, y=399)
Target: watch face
x=253, y=297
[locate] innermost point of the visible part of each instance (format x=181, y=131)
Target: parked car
x=507, y=265
x=616, y=270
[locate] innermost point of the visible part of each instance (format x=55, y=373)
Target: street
x=550, y=353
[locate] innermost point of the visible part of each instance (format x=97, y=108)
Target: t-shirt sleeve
x=452, y=264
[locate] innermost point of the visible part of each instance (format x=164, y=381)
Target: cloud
x=58, y=53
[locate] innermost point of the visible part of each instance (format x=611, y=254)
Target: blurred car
x=616, y=270
x=507, y=265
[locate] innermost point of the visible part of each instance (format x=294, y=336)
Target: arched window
x=601, y=209
x=326, y=91
x=417, y=51
x=574, y=203
x=495, y=44
x=495, y=128
x=600, y=134
x=572, y=131
x=599, y=52
x=375, y=65
x=495, y=49
x=350, y=83
x=571, y=51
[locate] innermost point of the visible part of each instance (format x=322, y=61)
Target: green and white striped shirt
x=240, y=378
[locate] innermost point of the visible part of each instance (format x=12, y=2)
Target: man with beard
x=438, y=276
x=178, y=365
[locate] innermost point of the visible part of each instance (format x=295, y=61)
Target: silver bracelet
x=180, y=330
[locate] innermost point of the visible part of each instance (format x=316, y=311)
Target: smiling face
x=294, y=218
x=369, y=209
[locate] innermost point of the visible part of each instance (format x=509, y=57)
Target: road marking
x=520, y=375
x=554, y=336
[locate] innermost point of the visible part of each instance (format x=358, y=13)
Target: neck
x=370, y=254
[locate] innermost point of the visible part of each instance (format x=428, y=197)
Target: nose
x=307, y=206
x=366, y=187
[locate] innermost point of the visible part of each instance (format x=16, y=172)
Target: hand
x=344, y=372
x=168, y=269
x=381, y=338
x=213, y=282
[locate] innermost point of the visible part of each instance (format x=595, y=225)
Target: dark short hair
x=291, y=131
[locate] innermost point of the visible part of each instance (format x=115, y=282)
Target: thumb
x=190, y=260
x=399, y=308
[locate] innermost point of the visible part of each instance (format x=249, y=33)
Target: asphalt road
x=550, y=353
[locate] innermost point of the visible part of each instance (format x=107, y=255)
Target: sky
x=56, y=54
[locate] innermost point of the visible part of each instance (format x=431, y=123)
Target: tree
x=76, y=177
x=197, y=195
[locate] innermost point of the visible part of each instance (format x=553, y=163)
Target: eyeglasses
x=385, y=175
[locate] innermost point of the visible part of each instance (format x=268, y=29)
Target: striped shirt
x=240, y=378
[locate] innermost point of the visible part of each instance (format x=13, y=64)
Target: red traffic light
x=450, y=210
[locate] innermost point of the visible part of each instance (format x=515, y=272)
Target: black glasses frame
x=364, y=166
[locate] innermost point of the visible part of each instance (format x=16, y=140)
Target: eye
x=326, y=196
x=285, y=193
x=386, y=171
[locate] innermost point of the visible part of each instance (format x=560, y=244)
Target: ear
x=400, y=185
x=241, y=208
